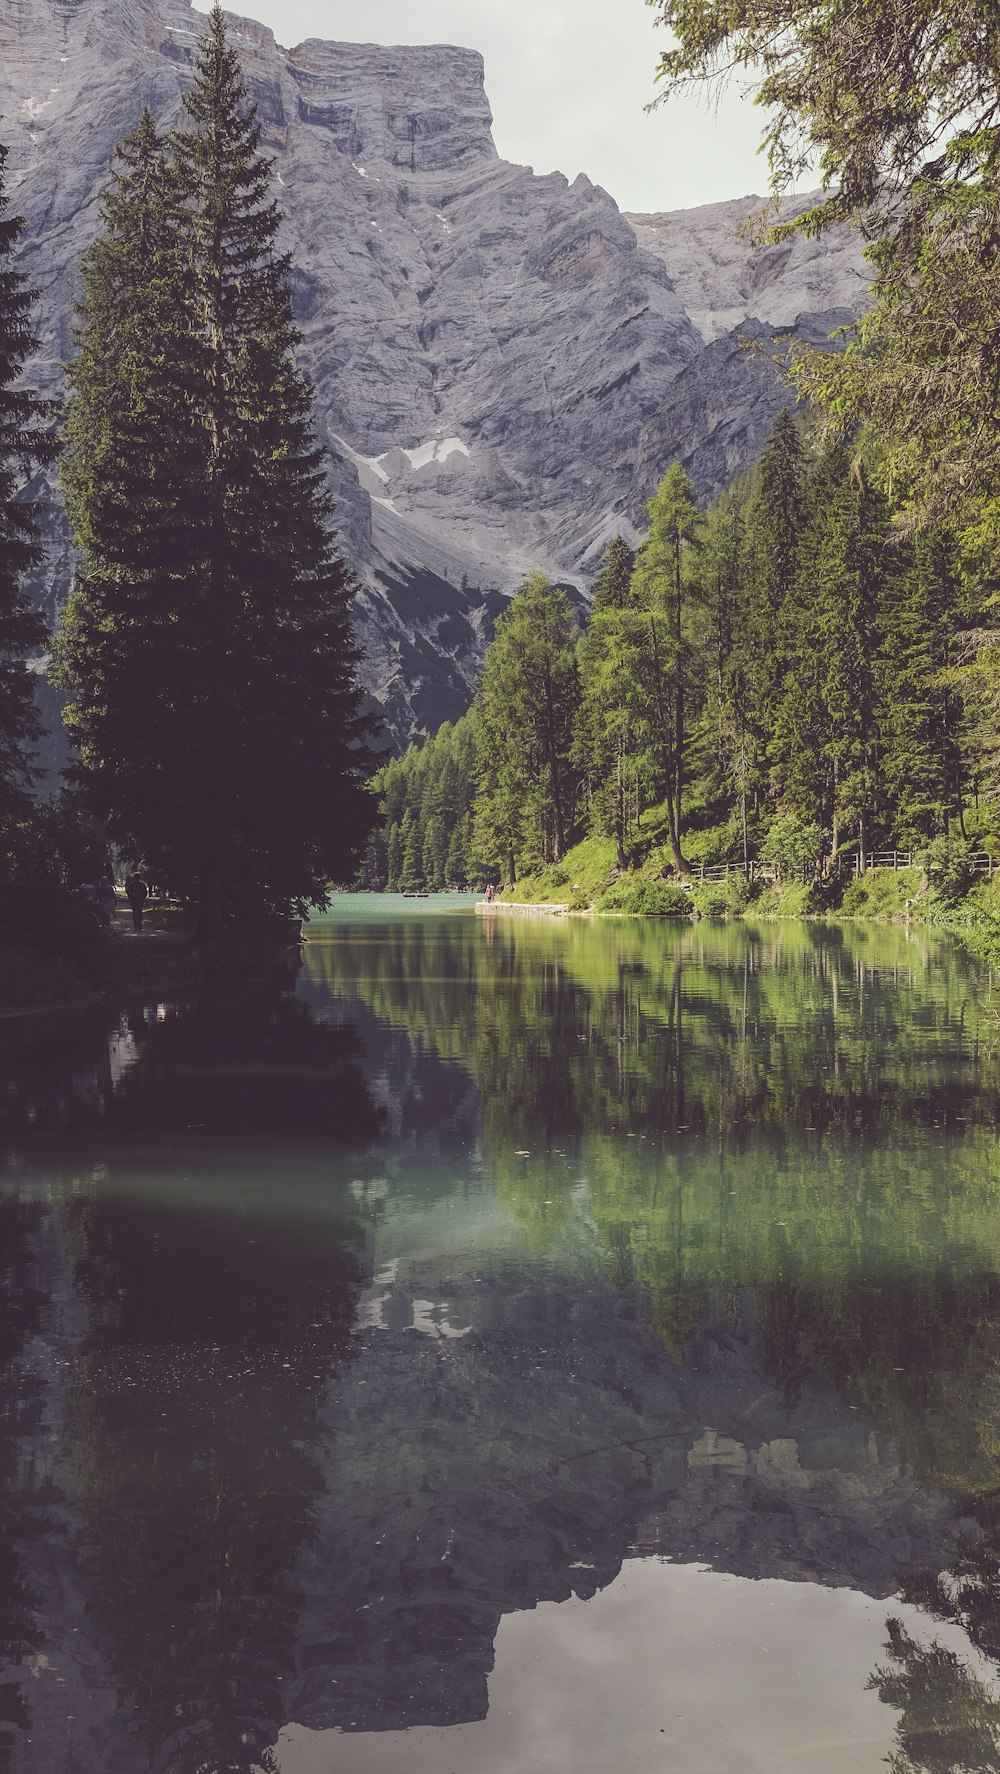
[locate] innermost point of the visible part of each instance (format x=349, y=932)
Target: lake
x=546, y=1345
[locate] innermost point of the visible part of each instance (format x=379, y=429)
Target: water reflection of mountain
x=478, y=1474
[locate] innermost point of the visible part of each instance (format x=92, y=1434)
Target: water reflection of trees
x=201, y=1205
x=22, y=1494
x=195, y=1417
x=950, y=1717
x=799, y=1116
x=950, y=1709
x=245, y=1063
x=720, y=1031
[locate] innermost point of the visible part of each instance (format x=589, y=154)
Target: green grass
x=578, y=881
x=886, y=895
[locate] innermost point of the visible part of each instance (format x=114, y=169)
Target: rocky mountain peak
x=504, y=364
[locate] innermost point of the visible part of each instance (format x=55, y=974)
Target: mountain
x=504, y=364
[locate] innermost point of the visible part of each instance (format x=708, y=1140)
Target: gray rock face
x=724, y=280
x=494, y=354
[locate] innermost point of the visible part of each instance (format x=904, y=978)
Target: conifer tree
x=25, y=442
x=611, y=587
x=607, y=744
x=827, y=727
x=212, y=568
x=776, y=518
x=922, y=710
x=659, y=584
x=526, y=708
x=725, y=747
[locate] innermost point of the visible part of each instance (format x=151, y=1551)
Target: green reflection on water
x=802, y=1114
x=789, y=1133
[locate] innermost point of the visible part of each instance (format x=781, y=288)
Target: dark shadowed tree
x=208, y=649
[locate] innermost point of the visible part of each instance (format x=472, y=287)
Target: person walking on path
x=106, y=901
x=136, y=892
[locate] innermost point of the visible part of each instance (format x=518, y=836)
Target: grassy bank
x=587, y=880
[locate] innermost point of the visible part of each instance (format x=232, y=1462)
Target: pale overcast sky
x=567, y=81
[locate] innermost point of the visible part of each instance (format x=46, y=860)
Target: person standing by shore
x=136, y=892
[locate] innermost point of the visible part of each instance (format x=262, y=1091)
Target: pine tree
x=611, y=587
x=724, y=746
x=614, y=737
x=209, y=576
x=25, y=441
x=922, y=710
x=659, y=584
x=775, y=522
x=526, y=710
x=827, y=727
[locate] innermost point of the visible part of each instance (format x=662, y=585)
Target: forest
x=809, y=668
x=789, y=674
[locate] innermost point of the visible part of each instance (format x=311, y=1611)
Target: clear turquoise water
x=536, y=1345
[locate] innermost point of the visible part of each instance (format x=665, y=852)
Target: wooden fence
x=854, y=863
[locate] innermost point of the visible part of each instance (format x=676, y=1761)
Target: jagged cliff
x=504, y=364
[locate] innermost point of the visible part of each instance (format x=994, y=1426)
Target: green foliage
x=788, y=899
x=647, y=898
x=198, y=500
x=793, y=844
x=883, y=894
x=947, y=868
x=426, y=842
x=836, y=686
x=661, y=591
x=729, y=898
x=526, y=710
x=908, y=147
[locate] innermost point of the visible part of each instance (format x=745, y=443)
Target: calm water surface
x=544, y=1346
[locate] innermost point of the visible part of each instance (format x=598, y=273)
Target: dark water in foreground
x=546, y=1347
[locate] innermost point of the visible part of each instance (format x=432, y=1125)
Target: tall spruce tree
x=827, y=728
x=611, y=587
x=922, y=709
x=209, y=579
x=26, y=441
x=775, y=521
x=526, y=708
x=659, y=586
x=611, y=740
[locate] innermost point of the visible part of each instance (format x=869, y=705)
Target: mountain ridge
x=504, y=363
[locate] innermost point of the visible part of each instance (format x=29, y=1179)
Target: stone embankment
x=514, y=909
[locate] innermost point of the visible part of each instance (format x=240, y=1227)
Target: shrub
x=724, y=899
x=714, y=843
x=947, y=868
x=793, y=844
x=647, y=899
x=880, y=893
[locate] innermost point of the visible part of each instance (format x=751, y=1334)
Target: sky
x=567, y=81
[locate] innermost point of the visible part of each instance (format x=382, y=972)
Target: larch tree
x=209, y=580
x=26, y=441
